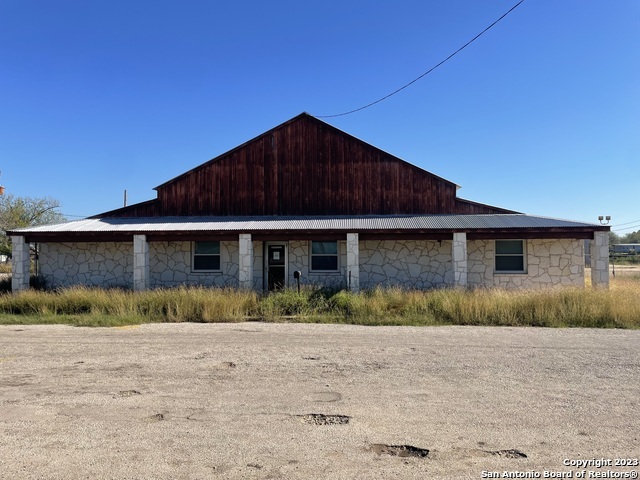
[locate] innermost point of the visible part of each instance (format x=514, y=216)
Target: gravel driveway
x=292, y=401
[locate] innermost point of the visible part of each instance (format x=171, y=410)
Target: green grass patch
x=618, y=307
x=73, y=320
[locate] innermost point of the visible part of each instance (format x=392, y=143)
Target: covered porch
x=262, y=253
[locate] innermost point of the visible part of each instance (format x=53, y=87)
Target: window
x=206, y=256
x=324, y=256
x=510, y=256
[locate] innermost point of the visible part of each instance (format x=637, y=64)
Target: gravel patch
x=293, y=401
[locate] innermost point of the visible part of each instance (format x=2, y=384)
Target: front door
x=276, y=266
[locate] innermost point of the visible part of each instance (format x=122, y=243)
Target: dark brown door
x=276, y=267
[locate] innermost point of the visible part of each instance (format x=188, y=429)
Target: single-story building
x=306, y=197
x=628, y=248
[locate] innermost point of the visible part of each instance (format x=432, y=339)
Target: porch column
x=245, y=261
x=140, y=263
x=600, y=260
x=459, y=257
x=20, y=263
x=353, y=262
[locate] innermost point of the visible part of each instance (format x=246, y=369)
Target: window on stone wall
x=510, y=255
x=324, y=256
x=206, y=256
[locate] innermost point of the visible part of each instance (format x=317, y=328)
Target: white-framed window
x=510, y=256
x=324, y=256
x=205, y=256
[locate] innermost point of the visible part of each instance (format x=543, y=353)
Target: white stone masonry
x=20, y=264
x=549, y=262
x=245, y=271
x=140, y=262
x=600, y=260
x=459, y=251
x=418, y=264
x=353, y=262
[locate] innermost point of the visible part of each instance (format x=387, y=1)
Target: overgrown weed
x=618, y=307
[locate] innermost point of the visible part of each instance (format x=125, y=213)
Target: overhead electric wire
x=621, y=224
x=626, y=228
x=428, y=71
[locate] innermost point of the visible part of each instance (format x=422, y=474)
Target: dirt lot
x=253, y=400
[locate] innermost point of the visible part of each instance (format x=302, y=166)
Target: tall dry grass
x=618, y=307
x=185, y=304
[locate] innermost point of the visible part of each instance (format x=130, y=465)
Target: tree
x=633, y=237
x=20, y=212
x=613, y=238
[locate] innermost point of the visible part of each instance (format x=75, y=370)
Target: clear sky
x=540, y=115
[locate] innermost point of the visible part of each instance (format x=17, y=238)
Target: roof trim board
x=379, y=224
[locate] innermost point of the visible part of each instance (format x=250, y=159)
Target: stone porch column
x=20, y=264
x=353, y=262
x=140, y=263
x=600, y=260
x=459, y=257
x=245, y=261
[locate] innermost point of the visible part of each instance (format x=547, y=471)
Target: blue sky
x=540, y=115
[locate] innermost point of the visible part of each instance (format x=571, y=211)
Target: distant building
x=631, y=248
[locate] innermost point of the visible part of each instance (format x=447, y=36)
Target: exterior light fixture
x=604, y=220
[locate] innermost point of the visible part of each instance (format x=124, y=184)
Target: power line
x=627, y=228
x=621, y=224
x=428, y=71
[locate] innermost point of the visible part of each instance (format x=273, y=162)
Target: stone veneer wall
x=407, y=263
x=20, y=263
x=110, y=264
x=299, y=260
x=170, y=266
x=416, y=264
x=258, y=266
x=91, y=264
x=550, y=262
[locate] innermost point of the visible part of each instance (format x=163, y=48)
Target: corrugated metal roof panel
x=303, y=223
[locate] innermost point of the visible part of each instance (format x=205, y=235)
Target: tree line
x=633, y=237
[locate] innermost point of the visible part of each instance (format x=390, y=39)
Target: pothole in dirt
x=226, y=365
x=399, y=450
x=158, y=417
x=512, y=453
x=321, y=419
x=128, y=393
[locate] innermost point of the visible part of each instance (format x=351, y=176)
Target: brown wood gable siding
x=467, y=207
x=150, y=208
x=306, y=167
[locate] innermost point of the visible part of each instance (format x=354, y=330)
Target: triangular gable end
x=305, y=167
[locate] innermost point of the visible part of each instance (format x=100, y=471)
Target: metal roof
x=307, y=223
